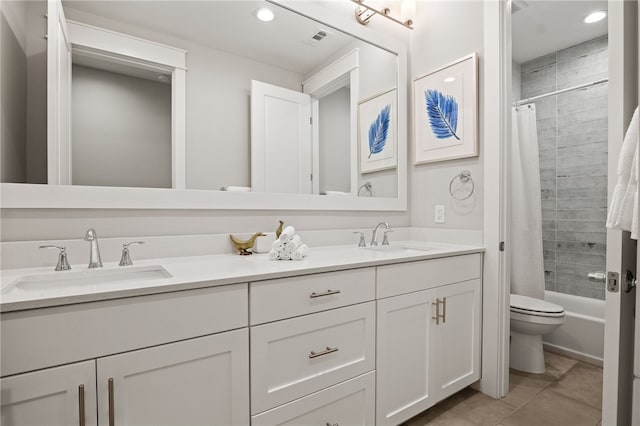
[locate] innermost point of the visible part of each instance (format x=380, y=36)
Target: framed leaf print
x=445, y=112
x=377, y=118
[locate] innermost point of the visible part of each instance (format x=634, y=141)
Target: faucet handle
x=63, y=264
x=385, y=237
x=125, y=260
x=362, y=242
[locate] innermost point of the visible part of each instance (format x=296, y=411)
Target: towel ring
x=464, y=177
x=367, y=186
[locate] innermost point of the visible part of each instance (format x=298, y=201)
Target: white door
x=55, y=396
x=636, y=382
x=203, y=381
x=404, y=353
x=457, y=337
x=58, y=96
x=280, y=140
x=621, y=251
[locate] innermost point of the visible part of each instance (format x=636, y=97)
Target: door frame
x=123, y=48
x=344, y=71
x=621, y=254
x=497, y=130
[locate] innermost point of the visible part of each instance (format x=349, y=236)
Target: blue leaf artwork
x=378, y=131
x=442, y=111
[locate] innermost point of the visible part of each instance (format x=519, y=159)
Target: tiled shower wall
x=572, y=137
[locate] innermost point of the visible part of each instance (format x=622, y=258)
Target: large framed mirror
x=201, y=104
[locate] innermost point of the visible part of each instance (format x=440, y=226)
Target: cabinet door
x=202, y=381
x=56, y=396
x=457, y=338
x=404, y=353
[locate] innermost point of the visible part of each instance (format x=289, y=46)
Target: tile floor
x=568, y=394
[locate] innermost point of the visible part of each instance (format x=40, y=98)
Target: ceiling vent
x=319, y=36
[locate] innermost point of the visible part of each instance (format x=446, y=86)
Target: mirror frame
x=40, y=196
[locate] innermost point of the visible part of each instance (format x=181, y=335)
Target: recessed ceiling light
x=264, y=14
x=595, y=17
x=449, y=79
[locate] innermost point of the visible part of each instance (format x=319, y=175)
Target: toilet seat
x=536, y=307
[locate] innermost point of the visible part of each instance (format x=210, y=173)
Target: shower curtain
x=527, y=264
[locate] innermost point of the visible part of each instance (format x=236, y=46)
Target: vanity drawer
x=289, y=297
x=47, y=337
x=296, y=357
x=402, y=278
x=349, y=403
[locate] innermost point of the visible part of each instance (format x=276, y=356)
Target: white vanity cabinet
x=201, y=381
x=374, y=345
x=305, y=369
x=163, y=359
x=420, y=359
x=59, y=396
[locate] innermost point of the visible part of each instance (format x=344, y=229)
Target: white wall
x=218, y=105
x=120, y=130
x=13, y=92
x=516, y=81
x=36, y=92
x=445, y=31
x=334, y=112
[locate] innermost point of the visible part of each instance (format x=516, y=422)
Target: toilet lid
x=533, y=306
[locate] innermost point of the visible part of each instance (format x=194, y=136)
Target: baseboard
x=589, y=359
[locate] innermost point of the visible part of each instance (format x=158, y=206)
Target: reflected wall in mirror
x=227, y=48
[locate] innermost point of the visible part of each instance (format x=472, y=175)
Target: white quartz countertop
x=213, y=270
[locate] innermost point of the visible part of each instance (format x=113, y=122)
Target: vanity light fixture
x=364, y=13
x=595, y=17
x=449, y=79
x=264, y=14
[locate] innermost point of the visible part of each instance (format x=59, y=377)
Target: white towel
x=236, y=189
x=300, y=252
x=287, y=234
x=277, y=245
x=336, y=193
x=293, y=243
x=623, y=211
x=274, y=255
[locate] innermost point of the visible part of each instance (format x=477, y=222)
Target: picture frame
x=377, y=132
x=445, y=112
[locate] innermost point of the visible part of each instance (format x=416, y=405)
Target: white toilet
x=530, y=319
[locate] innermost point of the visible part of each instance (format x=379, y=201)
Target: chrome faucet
x=374, y=236
x=63, y=263
x=94, y=250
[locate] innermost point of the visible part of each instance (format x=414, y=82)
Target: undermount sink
x=399, y=248
x=69, y=279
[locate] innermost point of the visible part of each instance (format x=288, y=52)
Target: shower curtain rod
x=557, y=92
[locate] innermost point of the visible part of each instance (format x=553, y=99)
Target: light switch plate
x=439, y=213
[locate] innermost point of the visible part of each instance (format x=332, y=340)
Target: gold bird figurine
x=279, y=230
x=244, y=246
